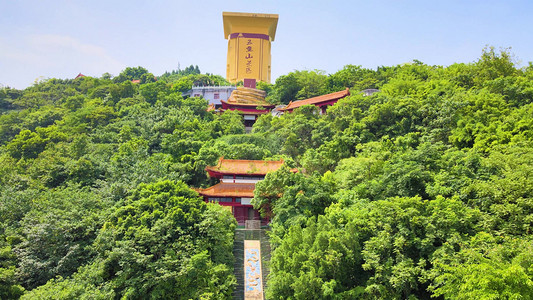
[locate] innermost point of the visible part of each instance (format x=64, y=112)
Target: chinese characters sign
x=249, y=57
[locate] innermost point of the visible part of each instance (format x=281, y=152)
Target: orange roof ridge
x=244, y=166
x=264, y=104
x=317, y=99
x=224, y=189
x=252, y=160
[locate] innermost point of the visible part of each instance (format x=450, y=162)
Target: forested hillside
x=421, y=190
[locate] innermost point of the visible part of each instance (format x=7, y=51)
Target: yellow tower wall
x=249, y=39
x=248, y=58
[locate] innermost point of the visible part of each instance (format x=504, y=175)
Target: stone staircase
x=238, y=252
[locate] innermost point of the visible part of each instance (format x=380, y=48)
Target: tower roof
x=238, y=22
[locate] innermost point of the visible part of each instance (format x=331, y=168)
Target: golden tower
x=249, y=36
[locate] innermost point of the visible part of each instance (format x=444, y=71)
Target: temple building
x=369, y=92
x=214, y=94
x=236, y=187
x=249, y=37
x=322, y=102
x=250, y=102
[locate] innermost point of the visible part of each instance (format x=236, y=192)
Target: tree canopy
x=422, y=190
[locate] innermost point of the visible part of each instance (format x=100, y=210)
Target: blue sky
x=59, y=39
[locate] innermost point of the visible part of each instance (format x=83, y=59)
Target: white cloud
x=60, y=56
x=74, y=47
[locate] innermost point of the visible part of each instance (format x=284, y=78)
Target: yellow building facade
x=249, y=36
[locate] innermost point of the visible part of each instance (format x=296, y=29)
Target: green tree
x=231, y=122
x=152, y=247
x=492, y=65
x=9, y=287
x=299, y=85
x=130, y=74
x=28, y=144
x=487, y=268
x=292, y=198
x=352, y=76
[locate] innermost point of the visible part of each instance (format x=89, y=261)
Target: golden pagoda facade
x=249, y=38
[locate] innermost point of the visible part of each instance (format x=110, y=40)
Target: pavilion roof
x=224, y=189
x=250, y=23
x=246, y=111
x=241, y=166
x=317, y=100
x=248, y=103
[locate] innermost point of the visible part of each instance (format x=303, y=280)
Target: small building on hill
x=322, y=102
x=369, y=92
x=213, y=94
x=236, y=187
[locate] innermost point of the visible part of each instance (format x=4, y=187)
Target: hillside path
x=252, y=254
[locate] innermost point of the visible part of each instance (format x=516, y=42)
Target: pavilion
x=236, y=187
x=322, y=102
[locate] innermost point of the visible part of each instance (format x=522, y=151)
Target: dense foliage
x=163, y=241
x=421, y=190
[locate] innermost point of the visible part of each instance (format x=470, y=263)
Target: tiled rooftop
x=224, y=189
x=239, y=166
x=317, y=100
